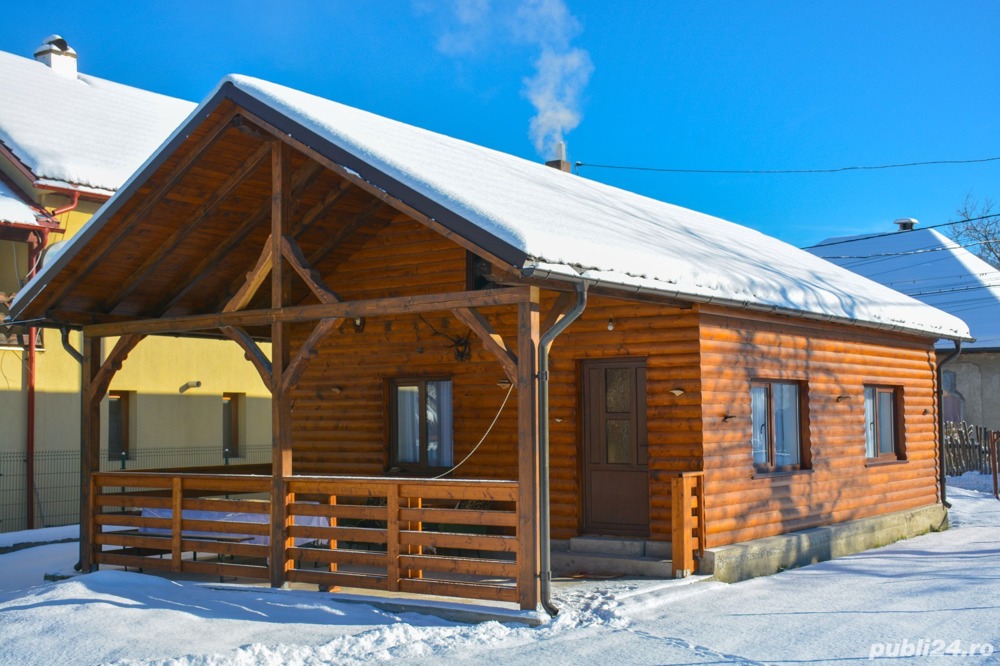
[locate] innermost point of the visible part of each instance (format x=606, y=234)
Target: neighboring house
x=708, y=386
x=67, y=142
x=930, y=267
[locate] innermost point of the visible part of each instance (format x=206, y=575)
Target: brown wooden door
x=615, y=451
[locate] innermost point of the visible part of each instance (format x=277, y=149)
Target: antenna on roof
x=906, y=223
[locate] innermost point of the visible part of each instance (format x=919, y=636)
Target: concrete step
x=612, y=555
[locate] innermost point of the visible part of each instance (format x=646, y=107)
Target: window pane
x=870, y=450
x=116, y=427
x=886, y=422
x=759, y=418
x=408, y=424
x=786, y=424
x=619, y=433
x=616, y=390
x=227, y=425
x=439, y=424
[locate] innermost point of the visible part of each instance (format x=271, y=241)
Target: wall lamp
x=677, y=391
x=729, y=417
x=189, y=385
x=843, y=398
x=504, y=383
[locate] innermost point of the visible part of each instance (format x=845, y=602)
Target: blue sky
x=697, y=85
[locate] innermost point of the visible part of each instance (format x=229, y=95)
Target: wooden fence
x=442, y=537
x=688, y=521
x=967, y=448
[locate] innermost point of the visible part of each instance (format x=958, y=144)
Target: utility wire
x=786, y=171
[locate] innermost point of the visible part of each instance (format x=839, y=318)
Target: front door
x=615, y=451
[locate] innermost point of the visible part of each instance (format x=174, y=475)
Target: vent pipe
x=58, y=55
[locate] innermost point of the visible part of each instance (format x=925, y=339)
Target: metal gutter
x=544, y=527
x=942, y=472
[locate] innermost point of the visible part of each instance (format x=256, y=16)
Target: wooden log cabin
x=471, y=354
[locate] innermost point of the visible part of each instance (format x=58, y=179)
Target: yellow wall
x=154, y=371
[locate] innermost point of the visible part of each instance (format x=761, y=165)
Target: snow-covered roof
x=554, y=224
x=13, y=209
x=931, y=267
x=81, y=131
x=571, y=226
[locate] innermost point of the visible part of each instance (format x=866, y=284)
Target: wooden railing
x=688, y=522
x=442, y=537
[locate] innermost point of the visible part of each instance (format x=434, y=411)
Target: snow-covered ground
x=915, y=602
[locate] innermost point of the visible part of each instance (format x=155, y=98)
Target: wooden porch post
x=281, y=427
x=527, y=451
x=90, y=448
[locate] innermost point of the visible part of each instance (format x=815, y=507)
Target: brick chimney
x=58, y=55
x=560, y=161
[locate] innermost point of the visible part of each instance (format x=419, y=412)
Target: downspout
x=72, y=206
x=545, y=545
x=940, y=374
x=34, y=251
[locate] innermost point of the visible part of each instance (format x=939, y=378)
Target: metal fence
x=57, y=478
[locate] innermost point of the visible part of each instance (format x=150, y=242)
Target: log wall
x=831, y=361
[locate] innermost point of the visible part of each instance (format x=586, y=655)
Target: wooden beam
x=293, y=253
x=154, y=260
x=302, y=179
x=492, y=342
x=302, y=313
x=314, y=213
x=528, y=336
x=254, y=279
x=281, y=411
x=306, y=352
x=101, y=380
x=378, y=193
x=345, y=231
x=253, y=352
x=96, y=254
x=564, y=302
x=90, y=451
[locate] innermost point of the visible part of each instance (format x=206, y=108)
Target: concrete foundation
x=763, y=557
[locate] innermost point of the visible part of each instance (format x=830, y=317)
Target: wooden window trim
x=898, y=454
x=805, y=454
x=395, y=466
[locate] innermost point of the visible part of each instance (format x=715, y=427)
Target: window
x=231, y=431
x=777, y=427
x=118, y=425
x=421, y=424
x=882, y=440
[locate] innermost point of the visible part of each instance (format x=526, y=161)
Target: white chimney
x=906, y=223
x=58, y=55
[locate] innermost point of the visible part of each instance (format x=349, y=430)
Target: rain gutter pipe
x=942, y=480
x=544, y=528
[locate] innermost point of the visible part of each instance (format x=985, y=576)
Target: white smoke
x=562, y=71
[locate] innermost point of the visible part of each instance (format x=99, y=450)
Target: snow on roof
x=84, y=131
x=13, y=209
x=930, y=267
x=570, y=226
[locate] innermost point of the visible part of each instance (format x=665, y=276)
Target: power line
x=903, y=253
x=785, y=171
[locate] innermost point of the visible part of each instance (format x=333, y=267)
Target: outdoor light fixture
x=729, y=417
x=677, y=391
x=189, y=385
x=359, y=324
x=611, y=324
x=504, y=383
x=843, y=398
